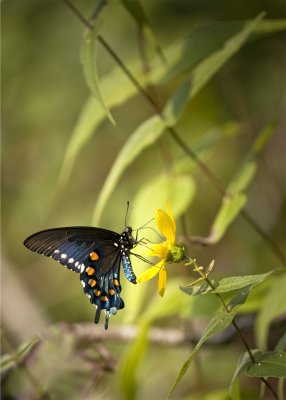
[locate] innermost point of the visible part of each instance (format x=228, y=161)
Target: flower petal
x=151, y=272
x=158, y=250
x=162, y=281
x=166, y=225
x=171, y=215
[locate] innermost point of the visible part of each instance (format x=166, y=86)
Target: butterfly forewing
x=70, y=246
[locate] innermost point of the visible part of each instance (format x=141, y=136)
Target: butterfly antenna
x=126, y=215
x=143, y=226
x=154, y=230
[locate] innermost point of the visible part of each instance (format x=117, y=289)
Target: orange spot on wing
x=90, y=271
x=104, y=298
x=92, y=282
x=97, y=292
x=111, y=292
x=116, y=282
x=94, y=256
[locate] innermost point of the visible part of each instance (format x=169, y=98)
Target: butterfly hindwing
x=102, y=286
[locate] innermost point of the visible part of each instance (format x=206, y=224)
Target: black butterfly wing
x=71, y=245
x=101, y=281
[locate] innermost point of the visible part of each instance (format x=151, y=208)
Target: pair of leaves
x=241, y=283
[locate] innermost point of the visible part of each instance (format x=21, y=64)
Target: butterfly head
x=127, y=239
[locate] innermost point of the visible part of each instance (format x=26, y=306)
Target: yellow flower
x=168, y=251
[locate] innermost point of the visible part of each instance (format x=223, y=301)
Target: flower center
x=176, y=254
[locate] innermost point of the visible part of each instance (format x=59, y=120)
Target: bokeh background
x=43, y=92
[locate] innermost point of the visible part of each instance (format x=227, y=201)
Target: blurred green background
x=43, y=92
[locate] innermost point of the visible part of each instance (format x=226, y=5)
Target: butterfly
x=96, y=254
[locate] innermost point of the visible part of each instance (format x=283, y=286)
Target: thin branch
x=207, y=172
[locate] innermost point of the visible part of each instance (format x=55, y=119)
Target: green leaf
x=235, y=200
x=197, y=289
x=204, y=41
x=274, y=304
x=127, y=370
x=88, y=59
x=147, y=134
x=238, y=282
x=242, y=364
x=90, y=115
x=271, y=364
x=229, y=210
x=271, y=26
x=9, y=361
x=281, y=345
x=216, y=325
x=205, y=71
x=248, y=168
x=135, y=8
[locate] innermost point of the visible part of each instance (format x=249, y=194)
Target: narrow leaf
x=205, y=71
x=229, y=210
x=128, y=367
x=272, y=364
x=144, y=136
x=274, y=304
x=216, y=325
x=240, y=298
x=248, y=168
x=281, y=345
x=88, y=59
x=235, y=200
x=135, y=8
x=197, y=290
x=238, y=282
x=242, y=364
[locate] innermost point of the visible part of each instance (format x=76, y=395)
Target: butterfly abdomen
x=127, y=268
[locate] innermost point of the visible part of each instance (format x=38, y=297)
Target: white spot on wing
x=83, y=283
x=70, y=260
x=82, y=267
x=56, y=251
x=63, y=256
